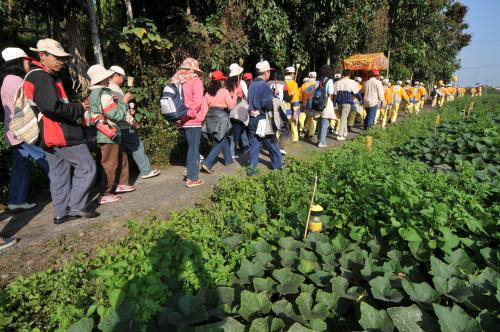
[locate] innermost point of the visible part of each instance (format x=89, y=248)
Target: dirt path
x=45, y=245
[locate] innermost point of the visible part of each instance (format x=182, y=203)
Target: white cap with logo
x=263, y=66
x=11, y=53
x=290, y=69
x=50, y=46
x=118, y=70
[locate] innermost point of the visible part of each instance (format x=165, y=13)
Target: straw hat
x=98, y=73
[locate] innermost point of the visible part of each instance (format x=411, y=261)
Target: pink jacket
x=8, y=90
x=195, y=103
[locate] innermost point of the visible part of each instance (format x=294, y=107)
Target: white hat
x=399, y=82
x=235, y=70
x=97, y=73
x=263, y=66
x=337, y=75
x=290, y=69
x=408, y=81
x=305, y=80
x=11, y=53
x=50, y=46
x=357, y=79
x=118, y=70
x=385, y=81
x=381, y=77
x=312, y=74
x=417, y=82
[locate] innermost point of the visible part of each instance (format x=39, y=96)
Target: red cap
x=247, y=76
x=218, y=75
x=375, y=72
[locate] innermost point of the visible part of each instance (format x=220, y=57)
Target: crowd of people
x=237, y=113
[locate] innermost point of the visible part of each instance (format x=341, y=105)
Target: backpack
x=320, y=97
x=433, y=93
x=24, y=124
x=172, y=103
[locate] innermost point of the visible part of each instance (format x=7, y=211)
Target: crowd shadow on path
x=165, y=294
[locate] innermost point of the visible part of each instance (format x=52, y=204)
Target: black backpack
x=320, y=97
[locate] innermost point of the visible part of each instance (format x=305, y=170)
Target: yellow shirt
x=414, y=94
x=398, y=94
x=307, y=93
x=473, y=91
x=388, y=95
x=423, y=91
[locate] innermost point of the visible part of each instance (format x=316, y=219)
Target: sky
x=480, y=60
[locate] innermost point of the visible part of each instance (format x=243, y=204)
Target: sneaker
x=201, y=157
x=7, y=242
x=153, y=173
x=206, y=169
x=283, y=152
x=123, y=188
x=341, y=138
x=322, y=145
x=109, y=198
x=194, y=183
x=20, y=207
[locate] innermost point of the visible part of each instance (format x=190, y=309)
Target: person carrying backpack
x=71, y=166
x=191, y=87
x=12, y=73
x=345, y=89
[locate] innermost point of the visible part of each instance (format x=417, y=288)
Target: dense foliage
x=406, y=246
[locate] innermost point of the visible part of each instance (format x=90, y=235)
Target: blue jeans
x=22, y=164
x=193, y=137
x=133, y=145
x=222, y=145
x=239, y=136
x=323, y=130
x=255, y=143
x=371, y=112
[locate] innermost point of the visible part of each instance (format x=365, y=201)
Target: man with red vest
x=71, y=167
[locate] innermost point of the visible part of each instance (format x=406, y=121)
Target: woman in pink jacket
x=192, y=90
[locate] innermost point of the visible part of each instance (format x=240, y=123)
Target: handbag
x=103, y=124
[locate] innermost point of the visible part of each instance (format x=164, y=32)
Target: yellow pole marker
x=368, y=143
x=310, y=205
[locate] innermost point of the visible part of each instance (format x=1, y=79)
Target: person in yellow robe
x=307, y=117
x=291, y=96
x=398, y=95
x=414, y=97
x=423, y=94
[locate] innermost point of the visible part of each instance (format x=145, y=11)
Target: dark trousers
x=222, y=145
x=112, y=156
x=255, y=143
x=70, y=190
x=193, y=137
x=371, y=112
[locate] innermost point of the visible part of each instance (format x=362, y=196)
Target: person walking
x=71, y=166
x=217, y=124
x=423, y=96
x=260, y=101
x=129, y=138
x=291, y=96
x=373, y=96
x=327, y=113
x=238, y=88
x=12, y=72
x=307, y=118
x=188, y=78
x=398, y=95
x=344, y=90
x=106, y=113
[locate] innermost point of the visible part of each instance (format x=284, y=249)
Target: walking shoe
x=123, y=188
x=194, y=183
x=84, y=213
x=341, y=138
x=322, y=145
x=152, y=173
x=63, y=219
x=201, y=157
x=20, y=207
x=7, y=242
x=109, y=198
x=283, y=152
x=206, y=169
